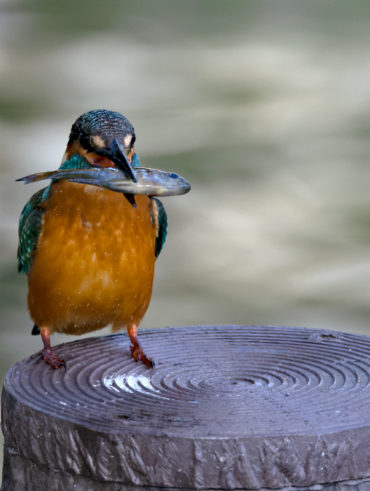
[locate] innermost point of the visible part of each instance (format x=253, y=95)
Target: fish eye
x=173, y=175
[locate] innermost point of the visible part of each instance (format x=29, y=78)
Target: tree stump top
x=225, y=407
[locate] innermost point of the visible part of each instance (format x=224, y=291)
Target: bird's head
x=104, y=138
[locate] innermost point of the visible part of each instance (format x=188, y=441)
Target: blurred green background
x=262, y=105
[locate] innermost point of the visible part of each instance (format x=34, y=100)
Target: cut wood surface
x=226, y=407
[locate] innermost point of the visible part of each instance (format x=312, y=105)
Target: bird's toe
x=139, y=355
x=52, y=359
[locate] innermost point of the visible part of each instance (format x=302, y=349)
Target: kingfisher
x=89, y=252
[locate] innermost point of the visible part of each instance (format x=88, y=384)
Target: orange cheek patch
x=130, y=154
x=95, y=159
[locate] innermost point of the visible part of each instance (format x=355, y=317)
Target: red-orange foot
x=50, y=357
x=139, y=355
x=48, y=353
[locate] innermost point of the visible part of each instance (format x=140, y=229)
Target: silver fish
x=152, y=182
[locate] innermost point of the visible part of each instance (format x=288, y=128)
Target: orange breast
x=94, y=262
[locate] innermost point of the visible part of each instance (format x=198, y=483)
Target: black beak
x=116, y=155
x=120, y=159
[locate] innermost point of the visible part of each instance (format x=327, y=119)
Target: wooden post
x=227, y=407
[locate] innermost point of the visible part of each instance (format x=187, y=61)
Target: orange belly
x=94, y=262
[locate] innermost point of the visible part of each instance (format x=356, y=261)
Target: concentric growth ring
x=232, y=382
x=239, y=372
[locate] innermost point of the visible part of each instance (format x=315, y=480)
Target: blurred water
x=263, y=106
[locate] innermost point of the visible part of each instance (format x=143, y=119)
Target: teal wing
x=30, y=221
x=161, y=219
x=30, y=224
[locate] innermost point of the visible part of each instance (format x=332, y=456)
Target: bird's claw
x=139, y=355
x=51, y=358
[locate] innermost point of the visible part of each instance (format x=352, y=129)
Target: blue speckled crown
x=108, y=124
